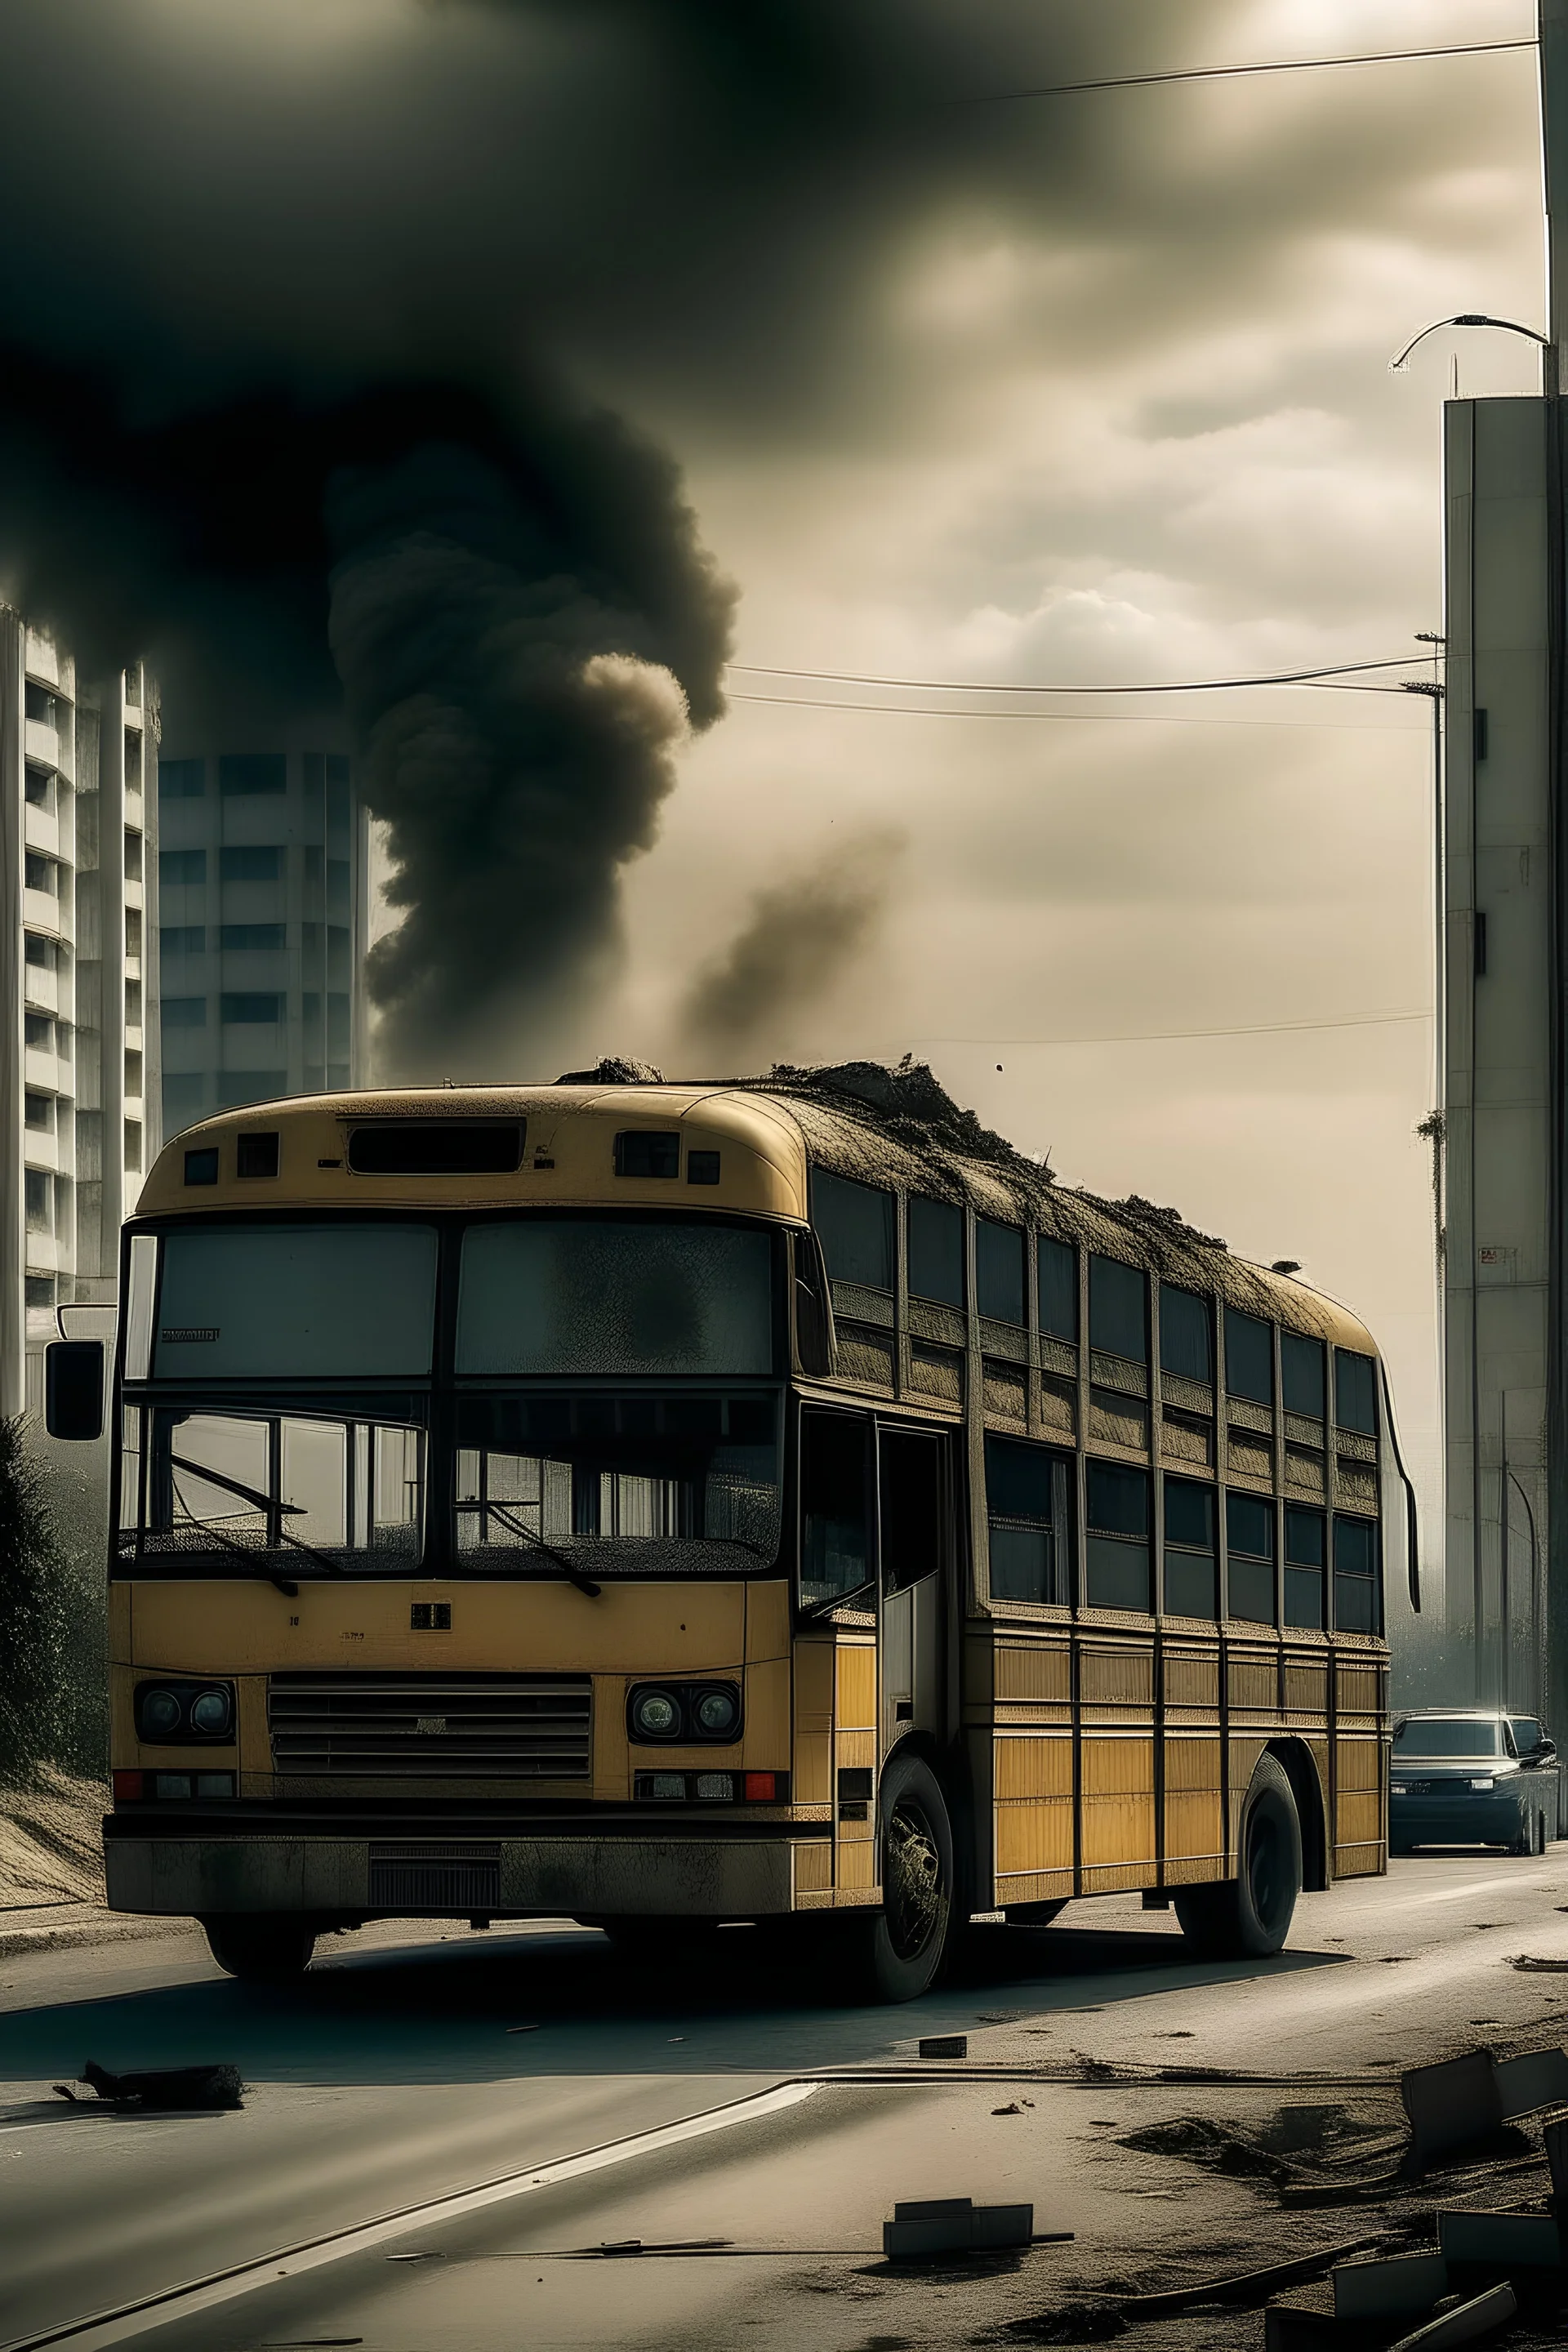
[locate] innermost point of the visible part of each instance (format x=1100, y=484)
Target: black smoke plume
x=799, y=938
x=293, y=304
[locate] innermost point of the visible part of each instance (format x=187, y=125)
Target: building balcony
x=43, y=911
x=47, y=1253
x=41, y=829
x=40, y=988
x=43, y=744
x=47, y=1074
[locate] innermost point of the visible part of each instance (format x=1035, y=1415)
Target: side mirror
x=73, y=1388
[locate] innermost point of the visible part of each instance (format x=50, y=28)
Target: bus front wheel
x=1248, y=1917
x=902, y=1948
x=260, y=1946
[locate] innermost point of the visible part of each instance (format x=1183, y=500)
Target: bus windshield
x=330, y=1301
x=640, y=1483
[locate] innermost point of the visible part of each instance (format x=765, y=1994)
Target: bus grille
x=450, y=1880
x=431, y=1726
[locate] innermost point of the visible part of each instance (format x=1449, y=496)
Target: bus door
x=914, y=1513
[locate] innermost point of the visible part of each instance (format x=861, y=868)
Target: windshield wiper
x=568, y=1568
x=260, y=1502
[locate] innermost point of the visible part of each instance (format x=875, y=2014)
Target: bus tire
x=1248, y=1917
x=900, y=1951
x=260, y=1946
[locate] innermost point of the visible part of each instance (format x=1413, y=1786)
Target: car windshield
x=1448, y=1736
x=674, y=1484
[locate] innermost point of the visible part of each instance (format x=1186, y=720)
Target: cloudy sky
x=957, y=387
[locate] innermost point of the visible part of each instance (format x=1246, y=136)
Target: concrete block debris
x=1539, y=2079
x=946, y=2045
x=1399, y=2286
x=953, y=2225
x=1464, y=2324
x=1452, y=2104
x=1247, y=2287
x=161, y=2090
x=1501, y=2240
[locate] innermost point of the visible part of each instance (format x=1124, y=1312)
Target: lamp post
x=1507, y=327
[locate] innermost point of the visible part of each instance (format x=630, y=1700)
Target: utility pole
x=1552, y=1563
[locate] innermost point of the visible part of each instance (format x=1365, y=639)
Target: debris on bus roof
x=614, y=1070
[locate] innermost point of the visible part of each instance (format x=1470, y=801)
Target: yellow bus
x=666, y=1505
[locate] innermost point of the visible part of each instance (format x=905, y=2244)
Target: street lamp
x=1507, y=326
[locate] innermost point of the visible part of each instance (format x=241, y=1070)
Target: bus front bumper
x=447, y=1877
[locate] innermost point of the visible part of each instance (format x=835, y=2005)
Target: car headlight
x=211, y=1712
x=159, y=1714
x=654, y=1715
x=717, y=1712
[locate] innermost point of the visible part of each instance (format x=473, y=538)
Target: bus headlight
x=179, y=1713
x=716, y=1712
x=653, y=1714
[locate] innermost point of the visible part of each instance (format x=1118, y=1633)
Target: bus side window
x=912, y=1510
x=835, y=1506
x=1028, y=1521
x=1358, y=1603
x=813, y=1330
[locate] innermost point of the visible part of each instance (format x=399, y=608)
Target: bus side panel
x=1361, y=1825
x=855, y=1751
x=1032, y=1765
x=1118, y=1842
x=1194, y=1814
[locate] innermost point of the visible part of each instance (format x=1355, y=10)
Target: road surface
x=560, y=2097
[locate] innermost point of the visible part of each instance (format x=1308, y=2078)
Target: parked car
x=1472, y=1777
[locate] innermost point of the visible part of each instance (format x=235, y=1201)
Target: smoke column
x=319, y=335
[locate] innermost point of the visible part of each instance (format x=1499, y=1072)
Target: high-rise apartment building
x=78, y=1028
x=263, y=912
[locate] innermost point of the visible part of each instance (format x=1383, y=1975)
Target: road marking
x=102, y=2330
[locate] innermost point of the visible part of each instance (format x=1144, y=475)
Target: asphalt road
x=588, y=2100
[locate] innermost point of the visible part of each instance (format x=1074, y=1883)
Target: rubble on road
x=160, y=2090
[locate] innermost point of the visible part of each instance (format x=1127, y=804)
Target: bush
x=53, y=1705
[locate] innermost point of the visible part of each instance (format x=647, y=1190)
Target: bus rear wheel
x=902, y=1950
x=1248, y=1917
x=260, y=1946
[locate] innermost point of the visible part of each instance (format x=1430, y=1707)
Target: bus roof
x=762, y=1138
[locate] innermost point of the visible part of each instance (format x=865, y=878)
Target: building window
x=185, y=1011
x=239, y=936
x=182, y=780
x=936, y=1251
x=182, y=939
x=42, y=952
x=132, y=855
x=337, y=1022
x=40, y=1291
x=252, y=771
x=1118, y=1310
x=40, y=1196
x=1186, y=1335
x=237, y=1086
x=1250, y=1559
x=1117, y=1569
x=1301, y=1374
x=133, y=760
x=1248, y=1356
x=132, y=1146
x=255, y=864
x=999, y=1271
x=38, y=1032
x=133, y=933
x=133, y=687
x=1304, y=1569
x=1356, y=1391
x=1029, y=1521
x=133, y=1073
x=252, y=1006
x=1191, y=1570
x=41, y=873
x=1358, y=1607
x=1057, y=1281
x=42, y=707
x=134, y=1004
x=179, y=869
x=855, y=1225
x=38, y=784
x=39, y=1112
x=337, y=885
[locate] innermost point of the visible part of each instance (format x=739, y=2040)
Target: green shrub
x=53, y=1705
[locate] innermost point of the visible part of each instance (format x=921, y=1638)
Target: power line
x=1074, y=717
x=1178, y=686
x=1230, y=73
x=1163, y=1037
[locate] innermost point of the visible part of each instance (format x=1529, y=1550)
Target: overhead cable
x=1230, y=73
